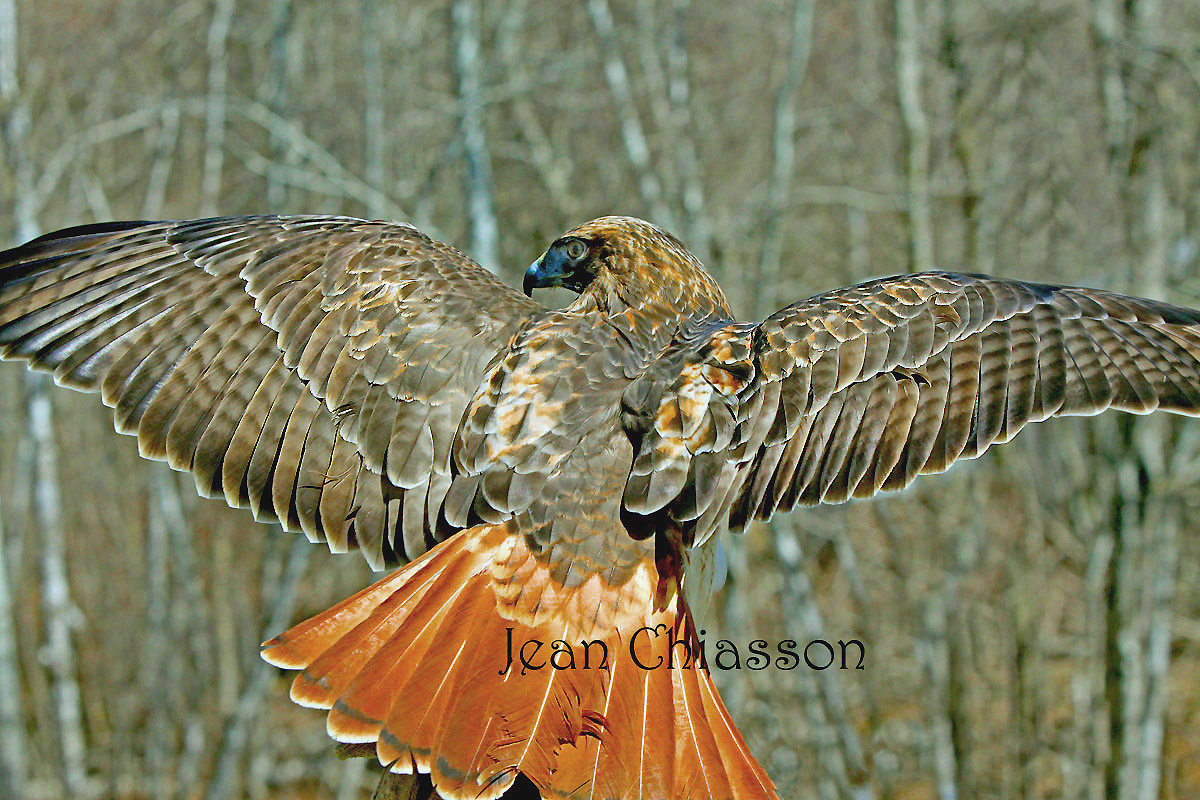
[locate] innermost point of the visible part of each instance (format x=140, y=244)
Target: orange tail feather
x=419, y=663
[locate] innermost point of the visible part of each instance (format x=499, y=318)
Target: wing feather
x=290, y=503
x=229, y=408
x=242, y=481
x=271, y=355
x=865, y=388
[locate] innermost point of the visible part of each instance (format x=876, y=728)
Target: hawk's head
x=622, y=257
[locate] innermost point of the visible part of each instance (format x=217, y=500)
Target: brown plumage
x=550, y=475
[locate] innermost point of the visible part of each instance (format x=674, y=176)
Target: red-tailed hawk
x=546, y=474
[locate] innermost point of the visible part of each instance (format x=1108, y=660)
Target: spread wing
x=313, y=369
x=865, y=388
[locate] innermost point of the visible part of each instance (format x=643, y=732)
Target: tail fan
x=427, y=665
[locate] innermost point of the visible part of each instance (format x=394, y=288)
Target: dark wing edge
x=313, y=369
x=863, y=389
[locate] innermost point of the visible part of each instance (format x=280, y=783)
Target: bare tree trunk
x=225, y=607
x=373, y=95
x=859, y=231
x=1107, y=32
x=554, y=168
x=632, y=134
x=9, y=82
x=160, y=167
x=1162, y=523
x=933, y=651
x=699, y=229
x=1142, y=573
x=351, y=783
x=158, y=651
x=1163, y=567
x=218, y=98
x=962, y=143
x=26, y=202
x=986, y=211
x=189, y=666
x=666, y=82
x=277, y=95
x=241, y=721
x=647, y=41
x=93, y=190
x=783, y=162
x=485, y=233
x=916, y=131
x=12, y=712
x=61, y=614
x=1088, y=686
x=1122, y=681
x=844, y=758
x=282, y=19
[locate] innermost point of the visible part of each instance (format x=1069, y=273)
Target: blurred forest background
x=1032, y=620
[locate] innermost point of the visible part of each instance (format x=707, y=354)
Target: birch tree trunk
x=553, y=166
x=12, y=710
x=282, y=18
x=844, y=757
x=783, y=162
x=217, y=106
x=373, y=94
x=12, y=713
x=241, y=721
x=1142, y=573
x=485, y=232
x=158, y=652
x=633, y=135
x=160, y=167
x=61, y=614
x=193, y=675
x=1162, y=523
x=916, y=134
x=699, y=228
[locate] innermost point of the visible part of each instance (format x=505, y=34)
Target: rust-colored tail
x=427, y=664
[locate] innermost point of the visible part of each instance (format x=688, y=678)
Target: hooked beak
x=530, y=281
x=549, y=270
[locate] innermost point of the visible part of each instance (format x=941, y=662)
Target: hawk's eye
x=576, y=249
